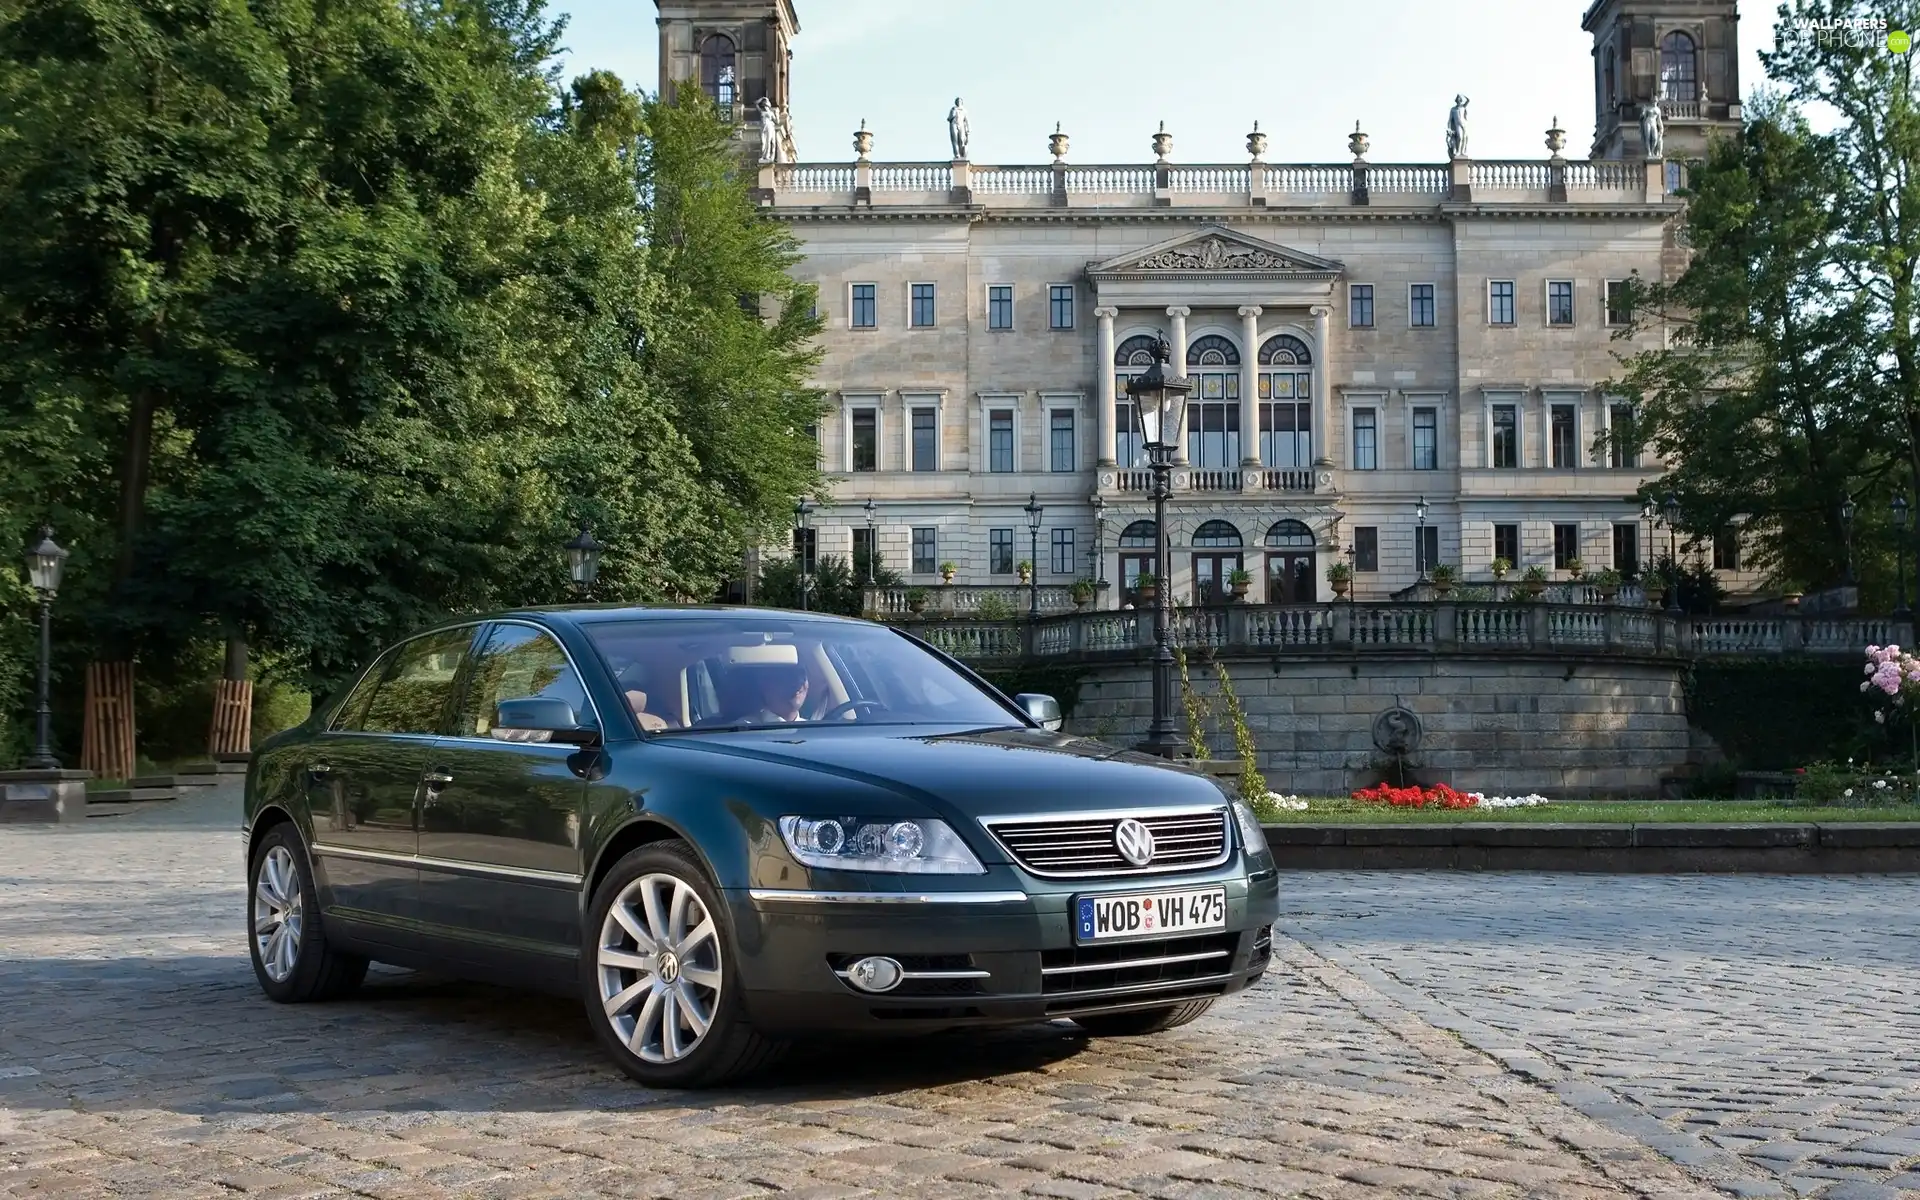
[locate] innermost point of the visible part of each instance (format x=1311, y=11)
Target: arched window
x=1679, y=68
x=1213, y=351
x=717, y=69
x=1216, y=533
x=1213, y=407
x=1290, y=535
x=1136, y=351
x=1286, y=402
x=1132, y=357
x=1138, y=535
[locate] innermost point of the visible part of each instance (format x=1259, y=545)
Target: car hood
x=969, y=774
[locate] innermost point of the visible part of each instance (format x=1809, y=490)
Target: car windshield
x=748, y=672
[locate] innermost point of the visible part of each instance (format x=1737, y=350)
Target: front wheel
x=291, y=956
x=661, y=980
x=1144, y=1020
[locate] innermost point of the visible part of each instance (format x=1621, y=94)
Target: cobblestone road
x=1421, y=1036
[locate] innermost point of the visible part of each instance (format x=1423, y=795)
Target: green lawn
x=1346, y=812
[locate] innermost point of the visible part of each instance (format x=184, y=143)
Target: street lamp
x=1099, y=573
x=1846, y=533
x=1420, y=537
x=1034, y=512
x=1160, y=400
x=583, y=560
x=801, y=511
x=1901, y=611
x=872, y=545
x=45, y=562
x=1649, y=513
x=1670, y=509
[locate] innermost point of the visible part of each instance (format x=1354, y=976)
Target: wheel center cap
x=669, y=967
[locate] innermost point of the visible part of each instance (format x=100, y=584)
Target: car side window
x=417, y=684
x=518, y=661
x=353, y=713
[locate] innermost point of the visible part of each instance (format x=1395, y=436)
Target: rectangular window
x=1506, y=544
x=1000, y=306
x=1559, y=302
x=926, y=439
x=1366, y=547
x=1566, y=546
x=1060, y=306
x=1000, y=440
x=1426, y=547
x=1623, y=441
x=864, y=314
x=1060, y=439
x=862, y=547
x=1426, y=439
x=1420, y=306
x=1565, y=455
x=1360, y=305
x=1000, y=551
x=806, y=543
x=1500, y=302
x=1626, y=547
x=866, y=439
x=1129, y=444
x=1063, y=563
x=1619, y=307
x=1366, y=440
x=922, y=305
x=1726, y=550
x=1506, y=436
x=925, y=544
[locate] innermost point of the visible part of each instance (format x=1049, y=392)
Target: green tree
x=835, y=585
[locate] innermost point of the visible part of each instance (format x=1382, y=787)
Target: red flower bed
x=1437, y=796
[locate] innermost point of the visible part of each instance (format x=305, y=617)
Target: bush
x=993, y=606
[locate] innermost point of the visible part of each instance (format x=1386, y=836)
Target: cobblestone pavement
x=1420, y=1036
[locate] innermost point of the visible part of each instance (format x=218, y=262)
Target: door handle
x=438, y=779
x=319, y=771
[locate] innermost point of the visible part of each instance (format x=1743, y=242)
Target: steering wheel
x=848, y=706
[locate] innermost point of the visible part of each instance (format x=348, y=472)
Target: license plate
x=1149, y=914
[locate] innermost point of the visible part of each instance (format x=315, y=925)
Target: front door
x=1210, y=572
x=364, y=779
x=1290, y=578
x=500, y=842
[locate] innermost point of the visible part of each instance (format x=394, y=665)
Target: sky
x=1109, y=71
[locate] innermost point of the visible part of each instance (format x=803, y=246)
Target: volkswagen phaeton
x=721, y=828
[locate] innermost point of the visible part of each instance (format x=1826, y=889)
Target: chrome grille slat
x=1076, y=845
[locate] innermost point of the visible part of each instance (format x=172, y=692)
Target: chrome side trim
x=1135, y=962
x=906, y=975
x=564, y=878
x=786, y=896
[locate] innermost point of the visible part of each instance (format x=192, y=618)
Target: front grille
x=1170, y=968
x=1083, y=844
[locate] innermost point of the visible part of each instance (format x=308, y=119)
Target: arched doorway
x=1213, y=410
x=1131, y=358
x=1290, y=564
x=1137, y=542
x=1286, y=402
x=717, y=77
x=1216, y=554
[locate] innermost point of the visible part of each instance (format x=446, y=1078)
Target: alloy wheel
x=277, y=913
x=659, y=969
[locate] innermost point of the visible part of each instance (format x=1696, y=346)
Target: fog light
x=876, y=974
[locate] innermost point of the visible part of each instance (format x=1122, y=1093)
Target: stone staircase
x=143, y=793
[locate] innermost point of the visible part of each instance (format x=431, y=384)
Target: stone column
x=1250, y=385
x=1178, y=366
x=1322, y=386
x=1103, y=419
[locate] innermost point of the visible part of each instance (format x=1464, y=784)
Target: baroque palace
x=1394, y=365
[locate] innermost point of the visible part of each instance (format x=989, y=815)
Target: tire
x=285, y=936
x=644, y=1005
x=1144, y=1020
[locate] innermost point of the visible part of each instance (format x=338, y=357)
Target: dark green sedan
x=724, y=827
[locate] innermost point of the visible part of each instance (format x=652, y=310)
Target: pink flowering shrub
x=1894, y=675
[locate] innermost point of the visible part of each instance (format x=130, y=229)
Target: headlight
x=1253, y=839
x=916, y=847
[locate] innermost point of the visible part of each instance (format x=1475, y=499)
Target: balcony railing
x=965, y=600
x=1188, y=480
x=1412, y=628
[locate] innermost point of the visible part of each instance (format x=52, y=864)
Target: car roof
x=600, y=614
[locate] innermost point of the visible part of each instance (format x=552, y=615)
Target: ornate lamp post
x=873, y=546
x=45, y=562
x=1670, y=509
x=1099, y=572
x=1035, y=510
x=800, y=513
x=1420, y=537
x=1648, y=514
x=1161, y=402
x=1900, y=611
x=583, y=561
x=1846, y=533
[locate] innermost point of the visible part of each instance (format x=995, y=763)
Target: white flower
x=1530, y=800
x=1286, y=803
x=1848, y=794
x=1881, y=784
x=1879, y=716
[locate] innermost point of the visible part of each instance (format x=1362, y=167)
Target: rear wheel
x=291, y=956
x=661, y=979
x=1144, y=1020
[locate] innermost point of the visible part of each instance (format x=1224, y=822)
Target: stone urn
x=946, y=575
x=863, y=141
x=1358, y=143
x=1057, y=144
x=1656, y=595
x=1791, y=599
x=916, y=602
x=1241, y=588
x=1147, y=592
x=1162, y=143
x=1340, y=586
x=1609, y=593
x=1257, y=144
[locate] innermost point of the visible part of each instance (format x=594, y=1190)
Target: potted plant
x=1340, y=575
x=1655, y=588
x=1608, y=581
x=916, y=599
x=947, y=572
x=1083, y=592
x=1534, y=580
x=1444, y=577
x=1574, y=570
x=1146, y=586
x=1239, y=579
x=1025, y=570
x=1500, y=567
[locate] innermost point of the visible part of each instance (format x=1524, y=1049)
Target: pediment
x=1215, y=249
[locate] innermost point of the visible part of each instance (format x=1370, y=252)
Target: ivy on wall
x=1775, y=714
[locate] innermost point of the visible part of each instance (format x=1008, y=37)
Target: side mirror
x=546, y=715
x=1043, y=709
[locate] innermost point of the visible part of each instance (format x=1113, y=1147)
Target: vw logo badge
x=1134, y=841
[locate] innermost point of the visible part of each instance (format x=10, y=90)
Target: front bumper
x=1004, y=956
